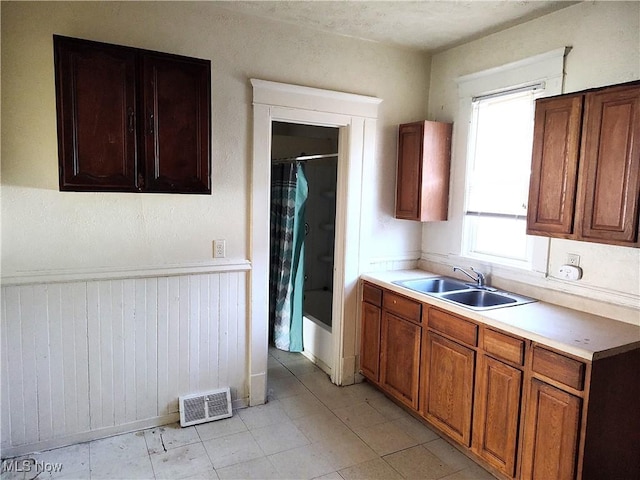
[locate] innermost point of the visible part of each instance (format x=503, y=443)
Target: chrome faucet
x=479, y=279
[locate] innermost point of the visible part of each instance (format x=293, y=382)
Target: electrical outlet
x=573, y=259
x=219, y=248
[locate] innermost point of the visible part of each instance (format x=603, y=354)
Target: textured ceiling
x=427, y=25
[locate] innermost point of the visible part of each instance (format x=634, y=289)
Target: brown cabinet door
x=400, y=358
x=611, y=166
x=409, y=173
x=370, y=341
x=96, y=107
x=176, y=124
x=497, y=414
x=424, y=158
x=554, y=166
x=552, y=427
x=447, y=386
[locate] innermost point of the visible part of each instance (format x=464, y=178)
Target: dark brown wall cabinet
x=131, y=120
x=585, y=178
x=424, y=157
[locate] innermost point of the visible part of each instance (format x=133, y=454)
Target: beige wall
x=605, y=37
x=44, y=230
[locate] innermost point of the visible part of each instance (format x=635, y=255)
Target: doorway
x=316, y=149
x=355, y=117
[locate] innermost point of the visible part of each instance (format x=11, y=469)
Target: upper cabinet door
x=424, y=158
x=96, y=107
x=610, y=181
x=554, y=165
x=177, y=108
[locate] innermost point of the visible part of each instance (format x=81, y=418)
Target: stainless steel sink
x=433, y=285
x=463, y=294
x=479, y=298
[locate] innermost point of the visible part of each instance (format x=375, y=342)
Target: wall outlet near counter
x=573, y=259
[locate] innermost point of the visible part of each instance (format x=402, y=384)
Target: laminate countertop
x=578, y=333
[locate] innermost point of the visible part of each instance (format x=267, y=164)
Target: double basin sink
x=464, y=294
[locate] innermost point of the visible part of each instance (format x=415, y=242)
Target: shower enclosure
x=316, y=147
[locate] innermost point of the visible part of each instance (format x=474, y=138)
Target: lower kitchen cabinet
x=497, y=414
x=520, y=408
x=370, y=344
x=400, y=358
x=448, y=386
x=552, y=429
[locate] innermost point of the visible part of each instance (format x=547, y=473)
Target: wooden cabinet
x=520, y=408
x=497, y=405
x=551, y=433
x=422, y=183
x=131, y=120
x=370, y=332
x=448, y=375
x=400, y=347
x=585, y=179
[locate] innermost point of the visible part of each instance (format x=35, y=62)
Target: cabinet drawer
x=504, y=347
x=402, y=306
x=371, y=294
x=558, y=367
x=454, y=327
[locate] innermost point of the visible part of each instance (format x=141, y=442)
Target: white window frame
x=546, y=69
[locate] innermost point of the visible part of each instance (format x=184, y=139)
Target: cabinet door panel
x=400, y=358
x=611, y=159
x=95, y=92
x=177, y=124
x=408, y=199
x=552, y=428
x=554, y=166
x=448, y=386
x=497, y=414
x=370, y=341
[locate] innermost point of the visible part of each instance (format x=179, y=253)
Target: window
x=495, y=129
x=497, y=185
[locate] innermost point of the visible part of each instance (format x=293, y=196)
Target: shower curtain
x=289, y=190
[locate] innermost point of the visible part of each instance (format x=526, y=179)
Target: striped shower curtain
x=289, y=192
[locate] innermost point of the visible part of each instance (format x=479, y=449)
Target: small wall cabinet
x=131, y=120
x=585, y=179
x=422, y=183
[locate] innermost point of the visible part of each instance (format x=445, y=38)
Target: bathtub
x=316, y=328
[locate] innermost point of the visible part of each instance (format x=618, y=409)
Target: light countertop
x=578, y=333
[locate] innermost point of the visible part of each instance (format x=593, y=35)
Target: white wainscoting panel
x=87, y=356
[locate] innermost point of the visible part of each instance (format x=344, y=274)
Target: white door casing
x=356, y=116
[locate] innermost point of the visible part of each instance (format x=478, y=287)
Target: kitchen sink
x=464, y=294
x=479, y=298
x=433, y=285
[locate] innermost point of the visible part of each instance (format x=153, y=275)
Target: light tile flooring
x=309, y=429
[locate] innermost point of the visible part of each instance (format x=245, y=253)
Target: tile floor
x=309, y=429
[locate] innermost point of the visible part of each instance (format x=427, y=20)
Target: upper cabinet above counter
x=424, y=157
x=585, y=178
x=131, y=120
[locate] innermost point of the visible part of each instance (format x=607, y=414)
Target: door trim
x=355, y=116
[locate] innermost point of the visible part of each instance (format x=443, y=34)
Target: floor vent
x=205, y=407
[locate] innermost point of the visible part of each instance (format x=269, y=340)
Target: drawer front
x=402, y=306
x=504, y=347
x=558, y=367
x=371, y=294
x=454, y=327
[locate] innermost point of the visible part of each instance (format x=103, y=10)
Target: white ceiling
x=427, y=25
